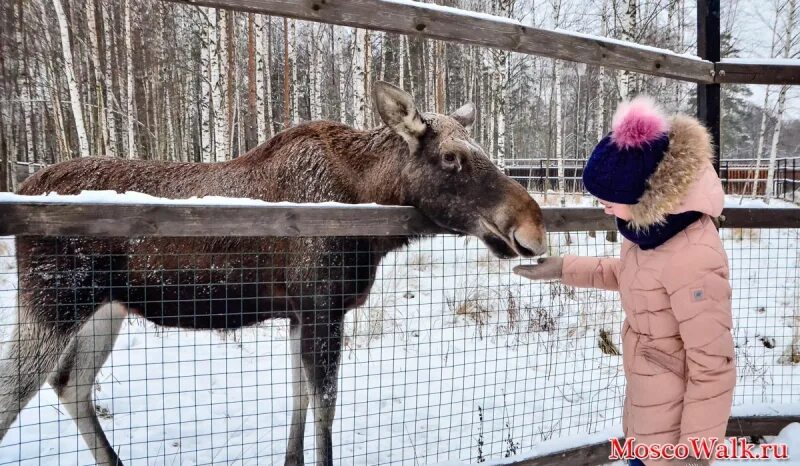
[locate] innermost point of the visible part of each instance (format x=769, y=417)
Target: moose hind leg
x=74, y=377
x=28, y=359
x=321, y=363
x=294, y=449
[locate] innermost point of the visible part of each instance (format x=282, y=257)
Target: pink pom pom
x=637, y=123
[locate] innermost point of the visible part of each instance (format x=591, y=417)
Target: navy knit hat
x=620, y=164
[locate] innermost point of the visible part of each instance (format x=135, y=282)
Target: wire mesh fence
x=739, y=176
x=450, y=358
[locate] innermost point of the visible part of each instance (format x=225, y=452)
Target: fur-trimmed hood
x=685, y=178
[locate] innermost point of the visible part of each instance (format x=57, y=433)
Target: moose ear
x=465, y=115
x=398, y=111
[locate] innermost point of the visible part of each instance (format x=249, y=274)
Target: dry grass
x=741, y=234
x=421, y=262
x=471, y=304
x=606, y=344
x=363, y=326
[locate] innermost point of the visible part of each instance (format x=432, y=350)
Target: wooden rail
x=757, y=71
x=436, y=22
x=132, y=220
x=596, y=454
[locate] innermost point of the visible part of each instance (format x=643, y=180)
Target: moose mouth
x=504, y=246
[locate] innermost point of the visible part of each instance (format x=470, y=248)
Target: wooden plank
x=709, y=95
x=758, y=425
x=561, y=219
x=455, y=25
x=758, y=72
x=588, y=455
x=742, y=217
x=598, y=453
x=127, y=220
x=182, y=220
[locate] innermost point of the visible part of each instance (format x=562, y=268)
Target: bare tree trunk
x=368, y=122
x=441, y=86
x=108, y=85
x=287, y=104
x=359, y=79
x=252, y=84
x=101, y=143
x=208, y=52
x=500, y=78
x=231, y=76
x=629, y=25
x=776, y=134
x=69, y=70
x=763, y=130
x=218, y=73
x=130, y=95
x=293, y=58
x=401, y=62
x=316, y=72
x=23, y=82
x=340, y=78
x=760, y=146
x=601, y=81
x=430, y=76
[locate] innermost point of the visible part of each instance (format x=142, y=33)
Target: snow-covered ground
x=453, y=358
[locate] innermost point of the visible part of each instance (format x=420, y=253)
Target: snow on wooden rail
x=758, y=71
x=58, y=217
x=452, y=24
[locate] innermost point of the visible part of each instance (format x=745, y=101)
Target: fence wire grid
x=451, y=358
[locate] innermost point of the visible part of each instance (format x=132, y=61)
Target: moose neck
x=373, y=161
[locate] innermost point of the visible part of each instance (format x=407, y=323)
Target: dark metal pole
x=708, y=48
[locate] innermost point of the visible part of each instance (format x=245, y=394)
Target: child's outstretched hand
x=546, y=268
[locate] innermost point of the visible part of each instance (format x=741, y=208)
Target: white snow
x=451, y=353
x=632, y=45
x=131, y=197
x=763, y=61
x=489, y=17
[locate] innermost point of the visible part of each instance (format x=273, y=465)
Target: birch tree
x=25, y=104
x=207, y=66
x=130, y=96
x=108, y=86
x=627, y=80
x=316, y=73
x=72, y=84
x=499, y=87
x=292, y=43
x=101, y=144
x=762, y=133
x=776, y=134
x=359, y=79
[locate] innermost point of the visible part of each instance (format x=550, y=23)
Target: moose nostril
x=530, y=241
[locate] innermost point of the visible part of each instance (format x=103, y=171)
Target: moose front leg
x=321, y=351
x=294, y=450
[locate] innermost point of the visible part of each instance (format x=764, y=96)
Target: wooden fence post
x=708, y=48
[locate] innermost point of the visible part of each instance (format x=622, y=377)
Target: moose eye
x=450, y=162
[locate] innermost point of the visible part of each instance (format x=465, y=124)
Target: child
x=655, y=176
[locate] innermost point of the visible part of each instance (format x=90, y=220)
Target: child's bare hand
x=546, y=268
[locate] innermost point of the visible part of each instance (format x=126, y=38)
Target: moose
x=75, y=292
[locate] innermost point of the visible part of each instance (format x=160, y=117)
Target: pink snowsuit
x=678, y=352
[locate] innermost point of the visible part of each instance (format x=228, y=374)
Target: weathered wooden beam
x=598, y=453
x=709, y=95
x=755, y=71
x=436, y=22
x=744, y=217
x=130, y=220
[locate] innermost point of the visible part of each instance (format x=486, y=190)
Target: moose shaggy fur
x=75, y=292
